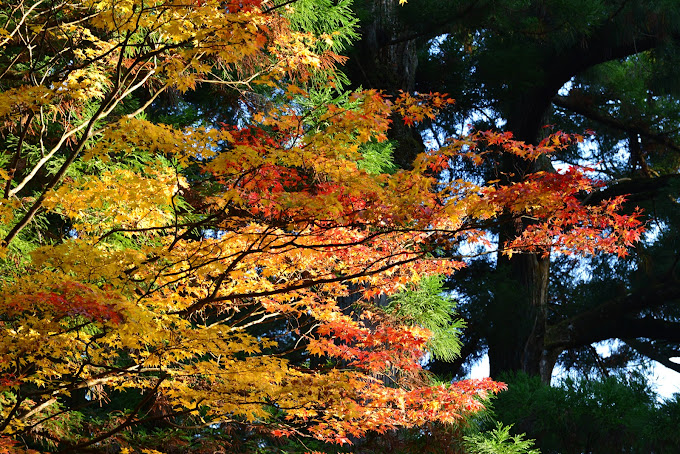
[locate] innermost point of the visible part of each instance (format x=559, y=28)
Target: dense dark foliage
x=582, y=415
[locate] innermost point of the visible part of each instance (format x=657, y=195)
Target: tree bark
x=385, y=58
x=520, y=315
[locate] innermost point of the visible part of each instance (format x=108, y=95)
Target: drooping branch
x=576, y=105
x=602, y=45
x=634, y=189
x=616, y=318
x=651, y=353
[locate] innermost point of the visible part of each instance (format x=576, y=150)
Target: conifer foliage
x=152, y=274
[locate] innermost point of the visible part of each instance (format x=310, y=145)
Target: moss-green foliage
x=614, y=415
x=334, y=19
x=499, y=441
x=326, y=17
x=427, y=306
x=377, y=157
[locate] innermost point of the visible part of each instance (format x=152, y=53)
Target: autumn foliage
x=180, y=243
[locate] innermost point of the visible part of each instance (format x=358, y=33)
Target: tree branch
x=648, y=351
x=129, y=421
x=635, y=189
x=576, y=105
x=616, y=319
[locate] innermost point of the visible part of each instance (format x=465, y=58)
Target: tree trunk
x=519, y=316
x=385, y=60
x=519, y=313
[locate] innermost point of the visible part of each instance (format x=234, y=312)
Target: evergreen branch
x=577, y=106
x=646, y=350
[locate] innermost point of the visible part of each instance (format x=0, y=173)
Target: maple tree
x=176, y=243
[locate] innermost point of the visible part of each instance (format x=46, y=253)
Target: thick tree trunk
x=519, y=317
x=520, y=313
x=385, y=60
